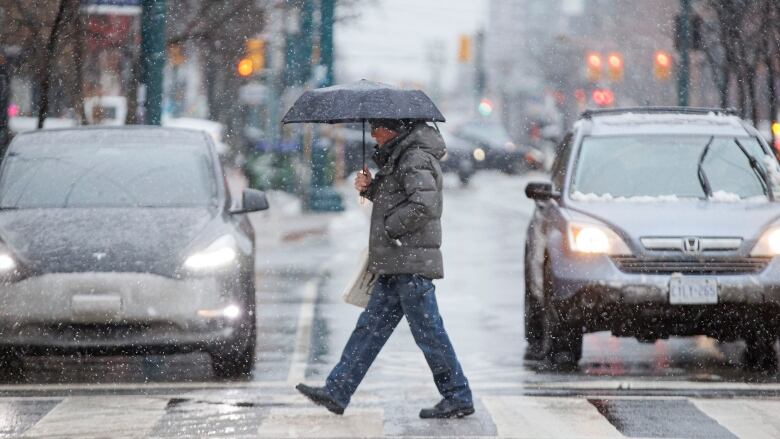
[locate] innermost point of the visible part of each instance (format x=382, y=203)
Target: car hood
x=148, y=240
x=683, y=218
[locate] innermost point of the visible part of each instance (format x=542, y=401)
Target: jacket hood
x=422, y=137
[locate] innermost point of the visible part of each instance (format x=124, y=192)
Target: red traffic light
x=615, y=61
x=603, y=97
x=615, y=66
x=593, y=66
x=662, y=65
x=245, y=67
x=662, y=59
x=594, y=60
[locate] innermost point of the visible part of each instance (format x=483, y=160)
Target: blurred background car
x=495, y=149
x=460, y=158
x=125, y=240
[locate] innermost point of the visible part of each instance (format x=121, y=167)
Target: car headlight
x=479, y=154
x=595, y=239
x=7, y=263
x=768, y=244
x=219, y=253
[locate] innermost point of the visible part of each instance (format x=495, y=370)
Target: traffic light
x=662, y=65
x=696, y=25
x=255, y=51
x=615, y=67
x=593, y=66
x=245, y=67
x=485, y=107
x=464, y=49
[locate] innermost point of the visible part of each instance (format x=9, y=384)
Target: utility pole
x=153, y=57
x=5, y=91
x=322, y=196
x=684, y=67
x=327, y=17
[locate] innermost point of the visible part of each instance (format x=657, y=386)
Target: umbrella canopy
x=361, y=101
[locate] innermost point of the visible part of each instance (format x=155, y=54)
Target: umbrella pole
x=364, y=145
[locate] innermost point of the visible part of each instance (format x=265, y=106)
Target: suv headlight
x=219, y=253
x=768, y=244
x=7, y=263
x=595, y=239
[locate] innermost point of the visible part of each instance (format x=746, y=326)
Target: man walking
x=404, y=250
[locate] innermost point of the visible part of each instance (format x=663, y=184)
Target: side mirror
x=541, y=191
x=252, y=200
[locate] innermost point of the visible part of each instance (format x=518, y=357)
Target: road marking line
x=109, y=416
x=316, y=422
x=745, y=418
x=589, y=387
x=303, y=333
x=548, y=417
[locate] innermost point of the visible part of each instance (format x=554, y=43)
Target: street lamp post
x=684, y=67
x=153, y=57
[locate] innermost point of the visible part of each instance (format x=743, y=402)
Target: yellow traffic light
x=593, y=66
x=464, y=49
x=776, y=129
x=255, y=51
x=245, y=67
x=662, y=65
x=615, y=66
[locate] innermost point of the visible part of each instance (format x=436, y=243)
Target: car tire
x=760, y=354
x=533, y=318
x=561, y=340
x=237, y=360
x=11, y=365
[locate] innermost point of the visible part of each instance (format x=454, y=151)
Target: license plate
x=693, y=291
x=99, y=306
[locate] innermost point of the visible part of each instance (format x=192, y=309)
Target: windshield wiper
x=766, y=185
x=703, y=180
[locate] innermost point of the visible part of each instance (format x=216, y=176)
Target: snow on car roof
x=667, y=123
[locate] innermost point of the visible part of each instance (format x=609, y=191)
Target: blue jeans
x=393, y=297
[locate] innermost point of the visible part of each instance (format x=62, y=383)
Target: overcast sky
x=390, y=40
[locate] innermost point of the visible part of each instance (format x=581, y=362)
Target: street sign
x=111, y=7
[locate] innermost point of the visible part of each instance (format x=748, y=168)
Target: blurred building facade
x=537, y=52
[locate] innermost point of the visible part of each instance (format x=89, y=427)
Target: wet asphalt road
x=683, y=387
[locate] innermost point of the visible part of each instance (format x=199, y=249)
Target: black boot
x=447, y=408
x=320, y=396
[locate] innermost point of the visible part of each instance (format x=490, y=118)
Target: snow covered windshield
x=666, y=168
x=41, y=176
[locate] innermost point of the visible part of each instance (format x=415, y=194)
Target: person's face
x=382, y=135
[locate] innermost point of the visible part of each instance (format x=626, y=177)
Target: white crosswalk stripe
x=754, y=419
x=100, y=417
x=315, y=422
x=548, y=417
x=284, y=414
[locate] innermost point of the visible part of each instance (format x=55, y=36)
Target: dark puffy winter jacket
x=407, y=195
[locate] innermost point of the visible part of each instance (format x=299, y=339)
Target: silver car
x=124, y=240
x=657, y=222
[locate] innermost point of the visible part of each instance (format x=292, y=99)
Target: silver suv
x=657, y=222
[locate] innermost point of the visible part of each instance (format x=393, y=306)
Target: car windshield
x=97, y=175
x=666, y=166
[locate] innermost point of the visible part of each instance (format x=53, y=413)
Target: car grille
x=630, y=264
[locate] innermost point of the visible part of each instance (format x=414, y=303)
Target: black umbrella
x=362, y=101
